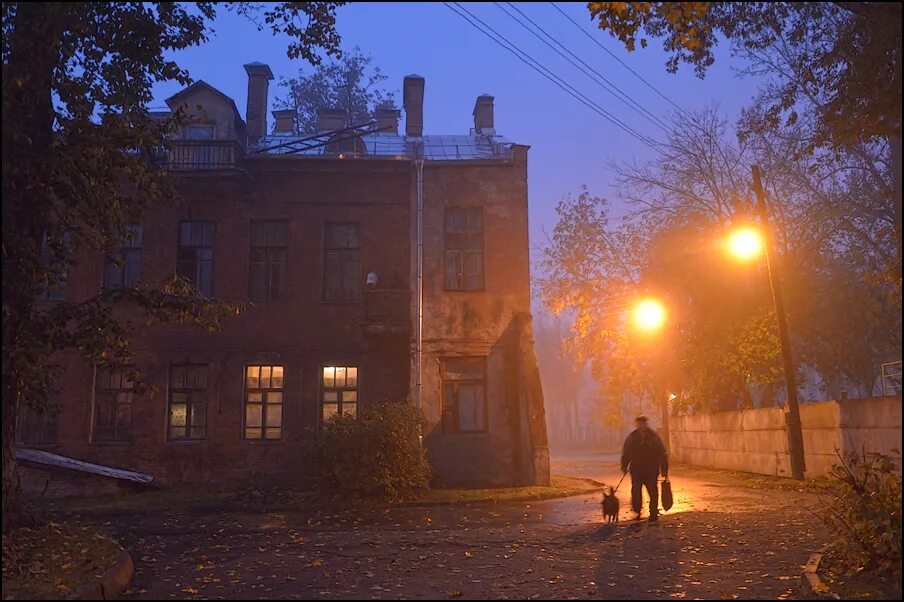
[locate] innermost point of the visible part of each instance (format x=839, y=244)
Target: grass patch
x=560, y=486
x=278, y=499
x=144, y=502
x=761, y=481
x=53, y=561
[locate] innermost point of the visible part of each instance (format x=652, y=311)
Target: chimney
x=388, y=120
x=285, y=121
x=413, y=100
x=483, y=115
x=329, y=120
x=259, y=76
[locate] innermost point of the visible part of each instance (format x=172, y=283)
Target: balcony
x=201, y=155
x=386, y=312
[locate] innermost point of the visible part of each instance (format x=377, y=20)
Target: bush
x=377, y=453
x=866, y=511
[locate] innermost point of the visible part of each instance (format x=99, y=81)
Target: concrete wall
x=756, y=440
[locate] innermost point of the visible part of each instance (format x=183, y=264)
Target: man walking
x=645, y=455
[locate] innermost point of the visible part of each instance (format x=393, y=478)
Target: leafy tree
x=720, y=346
x=838, y=61
x=350, y=84
x=77, y=78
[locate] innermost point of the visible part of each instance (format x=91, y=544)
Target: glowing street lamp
x=746, y=243
x=649, y=315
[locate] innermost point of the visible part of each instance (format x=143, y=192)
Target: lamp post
x=792, y=419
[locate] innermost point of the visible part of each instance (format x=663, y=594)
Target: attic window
x=199, y=132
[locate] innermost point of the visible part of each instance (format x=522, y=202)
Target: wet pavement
x=720, y=540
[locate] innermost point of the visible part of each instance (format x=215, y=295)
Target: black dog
x=610, y=506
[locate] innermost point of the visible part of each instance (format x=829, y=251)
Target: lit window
x=339, y=391
x=263, y=402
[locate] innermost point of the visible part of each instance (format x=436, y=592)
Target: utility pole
x=792, y=418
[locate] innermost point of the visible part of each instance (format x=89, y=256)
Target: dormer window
x=199, y=132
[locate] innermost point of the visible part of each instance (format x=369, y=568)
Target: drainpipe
x=419, y=328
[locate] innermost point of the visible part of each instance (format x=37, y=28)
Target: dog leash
x=619, y=483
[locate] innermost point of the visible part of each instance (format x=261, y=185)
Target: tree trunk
x=28, y=118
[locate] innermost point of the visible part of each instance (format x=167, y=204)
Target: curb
x=811, y=586
x=113, y=583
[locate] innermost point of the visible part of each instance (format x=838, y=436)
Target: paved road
x=721, y=540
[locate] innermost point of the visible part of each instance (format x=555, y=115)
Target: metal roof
x=430, y=148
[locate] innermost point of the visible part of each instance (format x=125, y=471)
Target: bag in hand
x=667, y=500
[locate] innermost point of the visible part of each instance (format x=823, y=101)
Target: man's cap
x=642, y=418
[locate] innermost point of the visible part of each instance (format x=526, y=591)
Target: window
x=38, y=427
x=268, y=260
x=263, y=402
x=464, y=395
x=199, y=132
x=187, y=402
x=341, y=263
x=57, y=275
x=195, y=256
x=339, y=391
x=124, y=269
x=113, y=405
x=464, y=248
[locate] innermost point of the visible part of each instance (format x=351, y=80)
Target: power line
x=609, y=52
x=611, y=88
x=539, y=68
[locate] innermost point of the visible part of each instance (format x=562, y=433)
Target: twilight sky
x=570, y=144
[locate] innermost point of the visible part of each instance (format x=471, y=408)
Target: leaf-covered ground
x=52, y=561
x=723, y=539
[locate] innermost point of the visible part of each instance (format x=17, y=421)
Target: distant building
x=325, y=239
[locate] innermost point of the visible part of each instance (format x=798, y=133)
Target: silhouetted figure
x=645, y=456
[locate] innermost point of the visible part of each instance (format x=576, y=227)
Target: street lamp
x=747, y=243
x=649, y=315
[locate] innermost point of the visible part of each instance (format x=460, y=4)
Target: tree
x=349, y=84
x=721, y=346
x=841, y=60
x=77, y=79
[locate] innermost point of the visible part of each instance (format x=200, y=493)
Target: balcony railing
x=192, y=155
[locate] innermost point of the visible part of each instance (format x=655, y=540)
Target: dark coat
x=645, y=454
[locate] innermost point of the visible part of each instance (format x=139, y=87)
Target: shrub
x=377, y=453
x=866, y=510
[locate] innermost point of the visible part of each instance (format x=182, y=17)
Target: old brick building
x=374, y=266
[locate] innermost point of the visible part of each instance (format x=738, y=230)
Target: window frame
x=339, y=402
x=270, y=261
x=359, y=289
x=127, y=245
x=197, y=260
x=264, y=403
x=109, y=371
x=42, y=423
x=449, y=246
x=456, y=385
x=189, y=403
